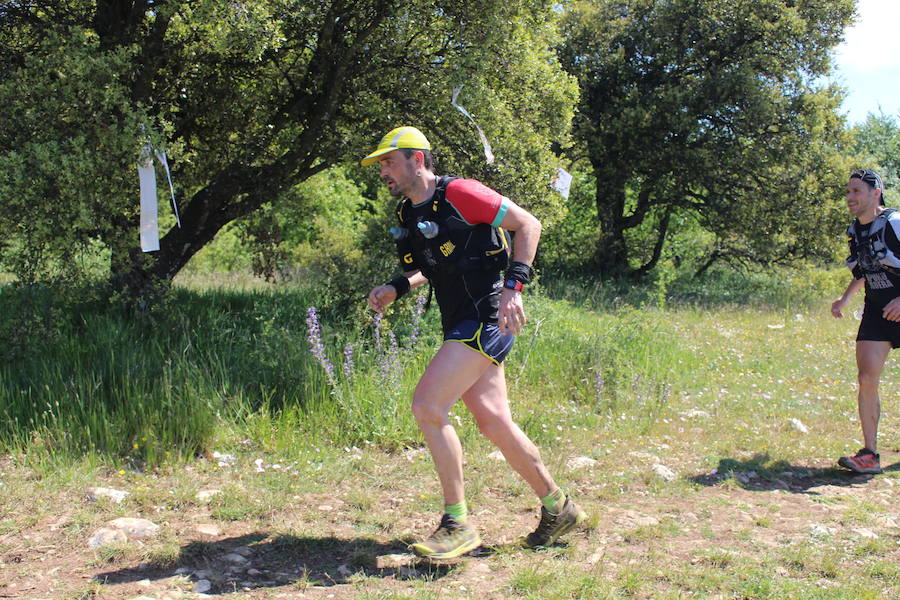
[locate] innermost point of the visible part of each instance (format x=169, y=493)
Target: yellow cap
x=401, y=137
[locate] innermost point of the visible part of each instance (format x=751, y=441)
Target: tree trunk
x=660, y=242
x=612, y=249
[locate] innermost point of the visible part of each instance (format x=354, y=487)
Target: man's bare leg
x=488, y=403
x=452, y=371
x=870, y=359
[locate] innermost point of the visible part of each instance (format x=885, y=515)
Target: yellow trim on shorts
x=477, y=339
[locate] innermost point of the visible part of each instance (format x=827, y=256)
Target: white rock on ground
x=106, y=535
x=123, y=529
x=695, y=413
x=579, y=462
x=234, y=558
x=388, y=561
x=206, y=495
x=664, y=472
x=798, y=425
x=135, y=528
x=209, y=529
x=95, y=493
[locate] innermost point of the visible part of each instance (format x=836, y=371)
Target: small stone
x=105, y=536
x=206, y=495
x=235, y=558
x=866, y=533
x=408, y=571
x=209, y=529
x=344, y=571
x=253, y=572
x=392, y=561
x=820, y=531
x=580, y=462
x=798, y=425
x=201, y=586
x=645, y=456
x=95, y=493
x=745, y=476
x=886, y=521
x=664, y=472
x=243, y=551
x=135, y=528
x=696, y=414
x=497, y=455
x=633, y=518
x=326, y=508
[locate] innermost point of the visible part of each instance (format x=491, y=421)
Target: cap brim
x=372, y=158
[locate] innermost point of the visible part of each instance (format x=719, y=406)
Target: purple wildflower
x=418, y=311
x=388, y=361
x=348, y=362
x=598, y=386
x=378, y=321
x=316, y=347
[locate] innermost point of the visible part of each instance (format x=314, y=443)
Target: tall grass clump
x=154, y=384
x=213, y=366
x=625, y=361
x=369, y=393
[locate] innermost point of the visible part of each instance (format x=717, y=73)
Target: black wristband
x=519, y=271
x=401, y=284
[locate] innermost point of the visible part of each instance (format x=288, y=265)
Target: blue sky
x=867, y=63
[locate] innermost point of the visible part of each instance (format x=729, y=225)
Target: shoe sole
x=863, y=470
x=421, y=550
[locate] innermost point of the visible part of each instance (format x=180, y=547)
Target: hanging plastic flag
x=149, y=217
x=161, y=157
x=563, y=182
x=488, y=153
x=149, y=199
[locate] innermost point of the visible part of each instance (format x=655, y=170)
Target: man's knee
x=868, y=378
x=426, y=413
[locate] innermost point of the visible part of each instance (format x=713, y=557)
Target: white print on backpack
x=878, y=281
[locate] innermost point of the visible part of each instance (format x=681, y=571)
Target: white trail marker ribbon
x=563, y=182
x=149, y=199
x=488, y=153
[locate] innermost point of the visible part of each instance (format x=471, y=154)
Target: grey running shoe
x=451, y=539
x=553, y=526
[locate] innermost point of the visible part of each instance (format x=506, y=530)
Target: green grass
x=704, y=384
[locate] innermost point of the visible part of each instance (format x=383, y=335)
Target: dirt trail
x=658, y=535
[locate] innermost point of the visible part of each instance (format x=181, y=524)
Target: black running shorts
x=875, y=328
x=485, y=338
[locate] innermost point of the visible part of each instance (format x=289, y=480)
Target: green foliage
x=878, y=145
x=251, y=100
x=70, y=137
x=706, y=108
